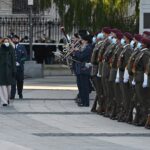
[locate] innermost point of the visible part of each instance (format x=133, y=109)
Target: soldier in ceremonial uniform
x=21, y=56
x=136, y=45
x=107, y=85
x=141, y=82
x=102, y=95
x=147, y=125
x=115, y=90
x=94, y=70
x=124, y=76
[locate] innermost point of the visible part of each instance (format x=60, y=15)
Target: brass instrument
x=68, y=48
x=76, y=45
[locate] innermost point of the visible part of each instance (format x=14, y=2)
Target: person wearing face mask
x=136, y=49
x=136, y=46
x=106, y=42
x=141, y=83
x=124, y=76
x=21, y=56
x=94, y=70
x=115, y=88
x=107, y=85
x=7, y=70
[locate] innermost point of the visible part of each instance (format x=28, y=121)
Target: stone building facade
x=5, y=7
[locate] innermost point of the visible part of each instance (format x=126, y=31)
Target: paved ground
x=48, y=119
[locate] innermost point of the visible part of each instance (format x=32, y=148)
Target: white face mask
x=6, y=44
x=132, y=44
x=114, y=40
x=123, y=42
x=100, y=36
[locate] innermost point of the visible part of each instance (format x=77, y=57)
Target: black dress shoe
x=86, y=105
x=4, y=105
x=21, y=96
x=80, y=105
x=93, y=110
x=78, y=100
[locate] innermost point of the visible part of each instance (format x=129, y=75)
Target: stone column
x=144, y=16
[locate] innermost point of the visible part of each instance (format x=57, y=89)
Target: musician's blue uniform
x=21, y=56
x=83, y=73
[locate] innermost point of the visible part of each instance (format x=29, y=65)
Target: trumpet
x=76, y=45
x=66, y=48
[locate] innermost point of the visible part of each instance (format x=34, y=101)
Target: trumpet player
x=82, y=69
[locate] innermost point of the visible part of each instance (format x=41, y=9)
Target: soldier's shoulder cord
x=139, y=56
x=117, y=49
x=147, y=52
x=133, y=55
x=102, y=48
x=125, y=48
x=131, y=61
x=112, y=48
x=99, y=45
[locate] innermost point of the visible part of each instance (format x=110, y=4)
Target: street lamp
x=30, y=4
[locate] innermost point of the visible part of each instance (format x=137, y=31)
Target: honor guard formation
x=117, y=65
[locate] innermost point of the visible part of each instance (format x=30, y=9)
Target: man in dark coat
x=21, y=56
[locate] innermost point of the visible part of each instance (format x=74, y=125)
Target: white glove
x=133, y=82
x=58, y=54
x=145, y=82
x=126, y=76
x=88, y=65
x=117, y=76
x=98, y=75
x=17, y=64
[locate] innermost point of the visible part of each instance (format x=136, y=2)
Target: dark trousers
x=83, y=86
x=100, y=91
x=19, y=84
x=127, y=95
x=141, y=103
x=118, y=96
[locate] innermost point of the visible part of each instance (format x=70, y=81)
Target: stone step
x=34, y=70
x=56, y=69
